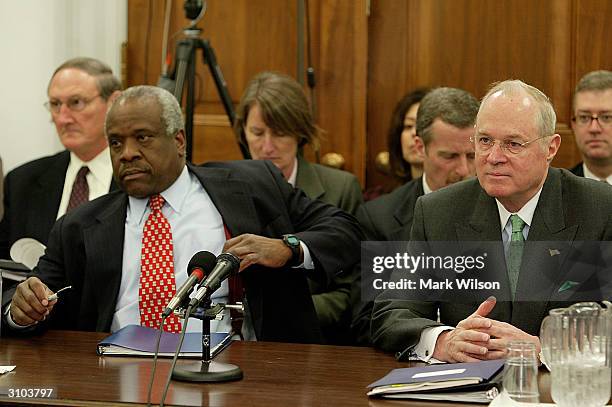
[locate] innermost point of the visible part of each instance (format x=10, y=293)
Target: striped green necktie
x=515, y=251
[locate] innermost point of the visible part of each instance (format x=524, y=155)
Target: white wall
x=35, y=37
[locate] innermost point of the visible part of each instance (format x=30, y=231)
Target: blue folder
x=477, y=382
x=136, y=340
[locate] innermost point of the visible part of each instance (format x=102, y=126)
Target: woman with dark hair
x=405, y=161
x=273, y=120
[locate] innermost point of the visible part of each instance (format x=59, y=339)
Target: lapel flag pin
x=554, y=252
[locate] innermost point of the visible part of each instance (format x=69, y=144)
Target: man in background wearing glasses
x=39, y=192
x=536, y=219
x=592, y=125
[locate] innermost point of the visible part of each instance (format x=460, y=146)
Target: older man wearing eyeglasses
x=536, y=220
x=39, y=192
x=592, y=125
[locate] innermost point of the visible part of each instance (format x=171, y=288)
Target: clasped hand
x=479, y=338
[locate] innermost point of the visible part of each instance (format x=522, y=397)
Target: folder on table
x=477, y=382
x=136, y=340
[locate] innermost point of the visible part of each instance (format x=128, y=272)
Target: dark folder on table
x=136, y=340
x=477, y=382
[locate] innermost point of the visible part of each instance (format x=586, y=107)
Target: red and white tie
x=157, y=283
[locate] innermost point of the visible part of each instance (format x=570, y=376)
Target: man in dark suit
x=592, y=125
x=39, y=192
x=516, y=197
x=445, y=125
x=243, y=207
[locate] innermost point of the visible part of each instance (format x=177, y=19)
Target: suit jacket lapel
x=483, y=226
x=230, y=198
x=104, y=248
x=548, y=244
x=484, y=222
x=405, y=211
x=113, y=186
x=549, y=220
x=48, y=190
x=308, y=180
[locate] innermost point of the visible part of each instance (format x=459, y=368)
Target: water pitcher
x=577, y=348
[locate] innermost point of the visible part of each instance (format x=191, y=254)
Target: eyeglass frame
x=86, y=102
x=503, y=147
x=593, y=117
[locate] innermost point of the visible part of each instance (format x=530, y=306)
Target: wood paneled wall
x=364, y=65
x=253, y=36
x=471, y=43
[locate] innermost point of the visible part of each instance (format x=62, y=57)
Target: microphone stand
x=207, y=370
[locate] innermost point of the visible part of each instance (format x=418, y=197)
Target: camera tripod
x=184, y=70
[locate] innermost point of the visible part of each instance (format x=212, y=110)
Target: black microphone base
x=207, y=372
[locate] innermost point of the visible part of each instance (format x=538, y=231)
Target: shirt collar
x=426, y=188
x=175, y=196
x=590, y=175
x=99, y=167
x=293, y=176
x=525, y=213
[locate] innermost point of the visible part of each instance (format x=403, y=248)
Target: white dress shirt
x=590, y=175
x=98, y=178
x=426, y=188
x=293, y=177
x=525, y=213
x=196, y=225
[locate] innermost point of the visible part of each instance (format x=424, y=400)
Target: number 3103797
x=30, y=392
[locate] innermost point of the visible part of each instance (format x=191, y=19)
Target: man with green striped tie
x=542, y=217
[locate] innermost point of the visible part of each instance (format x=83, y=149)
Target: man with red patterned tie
x=126, y=253
x=39, y=192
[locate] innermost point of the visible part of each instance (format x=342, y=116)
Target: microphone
x=200, y=264
x=227, y=264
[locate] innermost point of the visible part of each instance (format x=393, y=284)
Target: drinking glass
x=521, y=372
